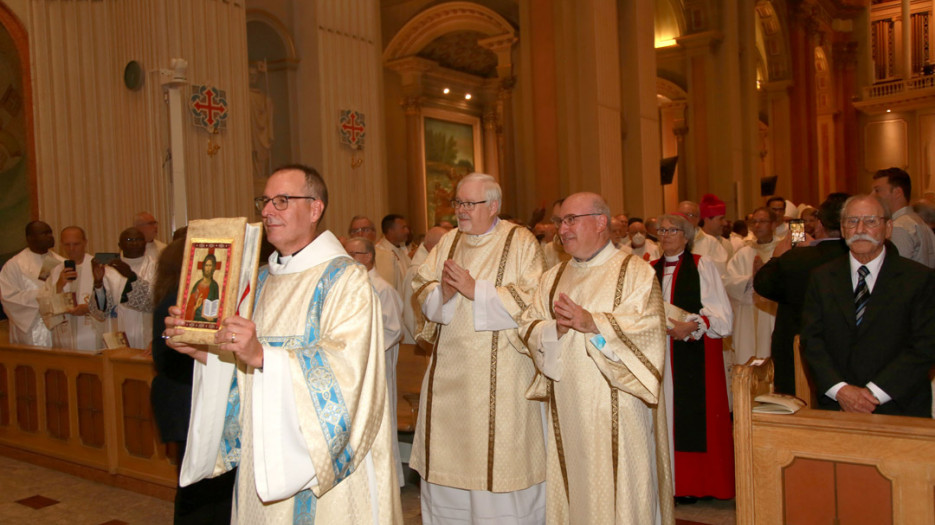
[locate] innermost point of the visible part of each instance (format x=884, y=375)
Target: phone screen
x=797, y=231
x=70, y=265
x=105, y=257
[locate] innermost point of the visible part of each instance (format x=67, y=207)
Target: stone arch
x=273, y=134
x=443, y=19
x=669, y=13
x=773, y=41
x=670, y=90
x=275, y=26
x=17, y=137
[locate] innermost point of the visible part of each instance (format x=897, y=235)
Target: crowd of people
x=579, y=366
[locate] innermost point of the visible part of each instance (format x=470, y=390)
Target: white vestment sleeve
x=548, y=356
x=739, y=278
x=281, y=461
x=392, y=310
x=489, y=312
x=435, y=310
x=19, y=296
x=715, y=305
x=211, y=383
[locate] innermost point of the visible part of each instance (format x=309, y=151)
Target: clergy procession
x=578, y=366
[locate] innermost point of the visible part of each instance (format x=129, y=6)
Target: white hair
x=492, y=191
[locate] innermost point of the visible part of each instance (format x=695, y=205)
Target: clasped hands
x=237, y=335
x=857, y=399
x=456, y=279
x=570, y=316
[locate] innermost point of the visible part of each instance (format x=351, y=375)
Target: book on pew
x=219, y=273
x=777, y=404
x=116, y=340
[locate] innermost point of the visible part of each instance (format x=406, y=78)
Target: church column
x=507, y=145
x=699, y=51
x=907, y=40
x=491, y=142
x=638, y=110
x=415, y=178
x=778, y=156
x=502, y=46
x=846, y=122
x=411, y=71
x=672, y=122
x=804, y=159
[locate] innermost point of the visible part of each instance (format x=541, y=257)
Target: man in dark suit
x=869, y=322
x=784, y=279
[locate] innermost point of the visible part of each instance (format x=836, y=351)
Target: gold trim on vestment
x=614, y=435
x=516, y=296
x=428, y=399
x=557, y=430
x=558, y=277
x=428, y=395
x=529, y=332
x=494, y=345
x=618, y=294
x=633, y=348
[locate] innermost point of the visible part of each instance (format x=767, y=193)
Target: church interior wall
x=101, y=148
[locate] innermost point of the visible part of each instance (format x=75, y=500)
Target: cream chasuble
x=476, y=430
x=608, y=457
x=754, y=316
x=311, y=430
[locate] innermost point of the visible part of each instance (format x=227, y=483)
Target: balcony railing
x=896, y=87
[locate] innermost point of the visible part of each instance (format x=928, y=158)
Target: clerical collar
x=595, y=254
x=496, y=221
x=674, y=258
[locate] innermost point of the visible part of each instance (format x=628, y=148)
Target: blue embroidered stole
x=323, y=389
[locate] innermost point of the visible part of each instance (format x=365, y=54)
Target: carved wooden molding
x=443, y=19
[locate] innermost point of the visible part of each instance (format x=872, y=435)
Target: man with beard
x=869, y=322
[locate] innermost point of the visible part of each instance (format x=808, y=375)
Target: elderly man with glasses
x=297, y=396
x=478, y=442
x=869, y=321
x=703, y=244
x=596, y=332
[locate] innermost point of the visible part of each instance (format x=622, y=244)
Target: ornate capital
x=411, y=105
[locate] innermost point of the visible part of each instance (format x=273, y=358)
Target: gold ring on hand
x=233, y=337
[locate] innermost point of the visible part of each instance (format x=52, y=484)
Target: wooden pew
x=84, y=414
x=828, y=467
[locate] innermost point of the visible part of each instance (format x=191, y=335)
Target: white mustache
x=863, y=237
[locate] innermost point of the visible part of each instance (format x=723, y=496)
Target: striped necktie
x=861, y=294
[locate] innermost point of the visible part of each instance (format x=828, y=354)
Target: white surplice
x=19, y=287
x=754, y=315
x=391, y=307
x=81, y=332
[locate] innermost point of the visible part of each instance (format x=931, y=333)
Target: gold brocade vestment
x=476, y=430
x=608, y=455
x=350, y=340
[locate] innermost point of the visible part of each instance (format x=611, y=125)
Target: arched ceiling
x=459, y=51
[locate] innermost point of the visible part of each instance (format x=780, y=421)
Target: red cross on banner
x=353, y=128
x=209, y=107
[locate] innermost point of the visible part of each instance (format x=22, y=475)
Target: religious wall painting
x=15, y=209
x=452, y=150
x=206, y=284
